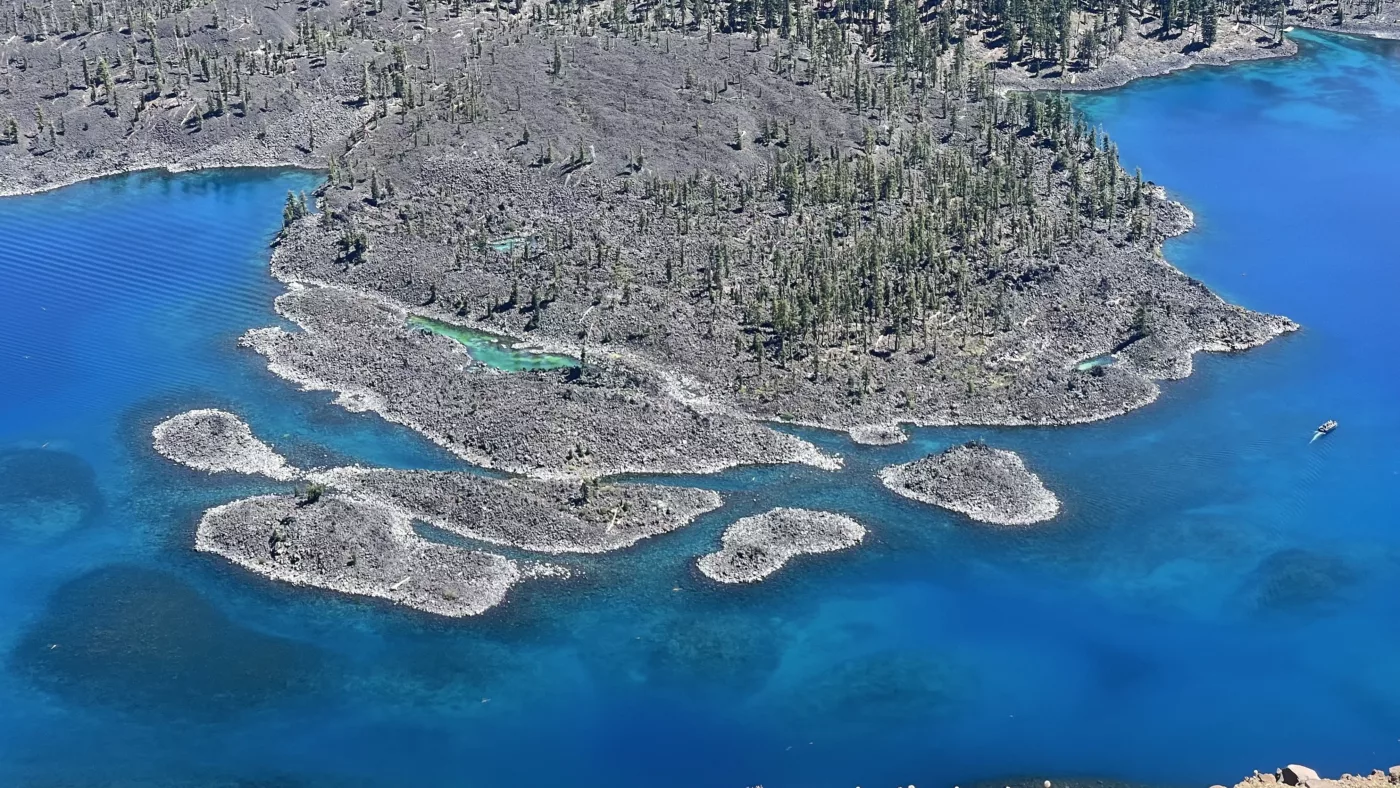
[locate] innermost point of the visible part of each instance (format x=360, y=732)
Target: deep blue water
x=1218, y=596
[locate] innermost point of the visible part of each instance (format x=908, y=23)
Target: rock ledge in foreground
x=986, y=484
x=1293, y=774
x=755, y=547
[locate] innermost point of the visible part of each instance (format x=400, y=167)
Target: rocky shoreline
x=755, y=547
x=988, y=485
x=612, y=418
x=1291, y=775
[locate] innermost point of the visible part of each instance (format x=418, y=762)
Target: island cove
x=626, y=365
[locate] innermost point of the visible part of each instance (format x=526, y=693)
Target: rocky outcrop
x=986, y=484
x=358, y=547
x=1293, y=774
x=878, y=434
x=538, y=515
x=216, y=440
x=756, y=547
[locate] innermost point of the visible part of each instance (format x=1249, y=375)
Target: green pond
x=492, y=350
x=1105, y=360
x=508, y=245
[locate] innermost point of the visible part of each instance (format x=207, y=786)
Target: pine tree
x=1208, y=23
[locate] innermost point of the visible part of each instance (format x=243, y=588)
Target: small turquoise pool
x=493, y=350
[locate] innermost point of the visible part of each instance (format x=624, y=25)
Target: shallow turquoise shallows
x=1219, y=594
x=493, y=350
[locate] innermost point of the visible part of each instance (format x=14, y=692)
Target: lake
x=1218, y=595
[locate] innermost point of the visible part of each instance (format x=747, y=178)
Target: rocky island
x=216, y=440
x=355, y=547
x=756, y=547
x=730, y=214
x=988, y=485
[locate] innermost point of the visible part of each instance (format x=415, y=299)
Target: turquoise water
x=492, y=350
x=1218, y=596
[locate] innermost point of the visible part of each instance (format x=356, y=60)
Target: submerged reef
x=756, y=547
x=356, y=547
x=986, y=484
x=888, y=686
x=44, y=493
x=724, y=649
x=144, y=640
x=215, y=440
x=1297, y=580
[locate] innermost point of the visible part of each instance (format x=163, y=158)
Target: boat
x=1327, y=426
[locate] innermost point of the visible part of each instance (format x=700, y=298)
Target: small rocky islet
x=215, y=440
x=986, y=484
x=755, y=547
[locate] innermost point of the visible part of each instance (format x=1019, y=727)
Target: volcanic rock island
x=679, y=223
